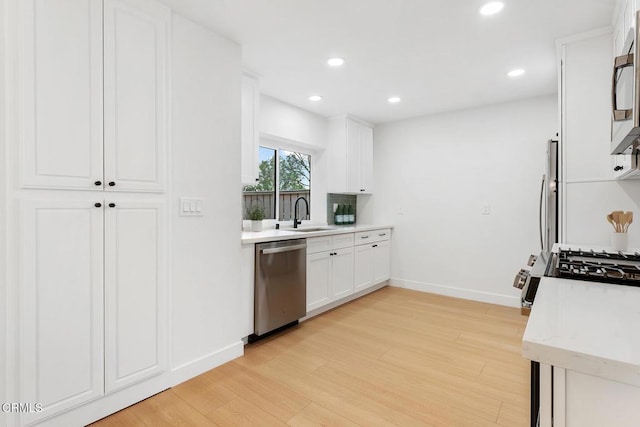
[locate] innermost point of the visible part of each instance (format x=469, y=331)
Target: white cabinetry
x=372, y=258
x=351, y=154
x=570, y=398
x=329, y=269
x=72, y=55
x=61, y=304
x=134, y=291
x=92, y=298
x=250, y=130
x=93, y=98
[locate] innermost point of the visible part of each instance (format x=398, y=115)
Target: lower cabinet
x=343, y=264
x=92, y=299
x=329, y=269
x=372, y=259
x=570, y=398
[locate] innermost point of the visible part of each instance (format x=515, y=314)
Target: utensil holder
x=619, y=241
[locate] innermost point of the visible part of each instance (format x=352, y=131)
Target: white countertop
x=588, y=327
x=251, y=237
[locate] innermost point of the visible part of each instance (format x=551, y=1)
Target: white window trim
x=278, y=145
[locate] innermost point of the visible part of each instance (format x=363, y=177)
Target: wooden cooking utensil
x=629, y=221
x=610, y=219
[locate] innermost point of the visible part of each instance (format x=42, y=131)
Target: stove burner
x=609, y=267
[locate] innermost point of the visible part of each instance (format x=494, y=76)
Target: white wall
x=292, y=127
x=3, y=204
x=206, y=264
x=591, y=193
x=434, y=174
x=286, y=121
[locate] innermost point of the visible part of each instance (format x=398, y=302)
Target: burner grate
x=609, y=267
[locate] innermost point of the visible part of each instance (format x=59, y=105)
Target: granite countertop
x=589, y=327
x=251, y=237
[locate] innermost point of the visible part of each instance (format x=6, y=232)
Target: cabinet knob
x=374, y=246
x=98, y=205
x=97, y=183
x=112, y=184
x=618, y=168
x=362, y=189
x=112, y=205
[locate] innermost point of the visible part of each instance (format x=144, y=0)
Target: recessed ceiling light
x=315, y=98
x=394, y=100
x=335, y=62
x=491, y=8
x=515, y=73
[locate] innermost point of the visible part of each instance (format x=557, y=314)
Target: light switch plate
x=191, y=206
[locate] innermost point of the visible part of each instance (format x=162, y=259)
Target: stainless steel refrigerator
x=549, y=199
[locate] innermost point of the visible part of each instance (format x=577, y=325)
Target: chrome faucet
x=295, y=211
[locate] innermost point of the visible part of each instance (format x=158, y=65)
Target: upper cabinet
x=250, y=130
x=351, y=154
x=95, y=95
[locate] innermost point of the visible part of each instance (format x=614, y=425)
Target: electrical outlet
x=190, y=206
x=486, y=209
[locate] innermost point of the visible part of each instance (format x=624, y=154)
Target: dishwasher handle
x=283, y=249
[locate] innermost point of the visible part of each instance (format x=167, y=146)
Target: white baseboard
x=186, y=371
x=451, y=291
x=344, y=300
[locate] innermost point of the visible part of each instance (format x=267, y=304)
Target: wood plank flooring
x=392, y=358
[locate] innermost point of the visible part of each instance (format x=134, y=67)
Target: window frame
x=277, y=146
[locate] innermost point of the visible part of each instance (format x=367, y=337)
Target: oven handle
x=619, y=63
x=283, y=249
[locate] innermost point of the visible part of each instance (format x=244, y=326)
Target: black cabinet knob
x=97, y=183
x=618, y=168
x=362, y=189
x=98, y=205
x=112, y=205
x=112, y=184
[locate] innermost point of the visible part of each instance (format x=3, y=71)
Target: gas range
x=599, y=266
x=617, y=268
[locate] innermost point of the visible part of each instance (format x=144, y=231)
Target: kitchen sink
x=310, y=229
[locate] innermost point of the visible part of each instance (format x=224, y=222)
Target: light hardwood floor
x=394, y=357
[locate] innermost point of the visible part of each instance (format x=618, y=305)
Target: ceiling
x=436, y=55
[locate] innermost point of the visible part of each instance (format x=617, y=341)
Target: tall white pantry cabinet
x=94, y=88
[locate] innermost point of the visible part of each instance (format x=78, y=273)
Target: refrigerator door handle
x=544, y=179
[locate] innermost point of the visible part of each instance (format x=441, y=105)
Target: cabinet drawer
x=342, y=240
x=319, y=244
x=330, y=242
x=365, y=237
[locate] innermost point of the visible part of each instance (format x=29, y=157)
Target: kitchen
x=458, y=186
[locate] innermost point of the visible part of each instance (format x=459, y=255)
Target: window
x=280, y=184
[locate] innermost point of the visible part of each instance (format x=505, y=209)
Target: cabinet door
x=318, y=280
x=359, y=158
x=250, y=129
x=61, y=74
x=353, y=157
x=135, y=94
x=342, y=273
x=363, y=267
x=134, y=291
x=381, y=261
x=61, y=304
x=366, y=160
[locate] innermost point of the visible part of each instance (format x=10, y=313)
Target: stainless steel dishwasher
x=280, y=285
